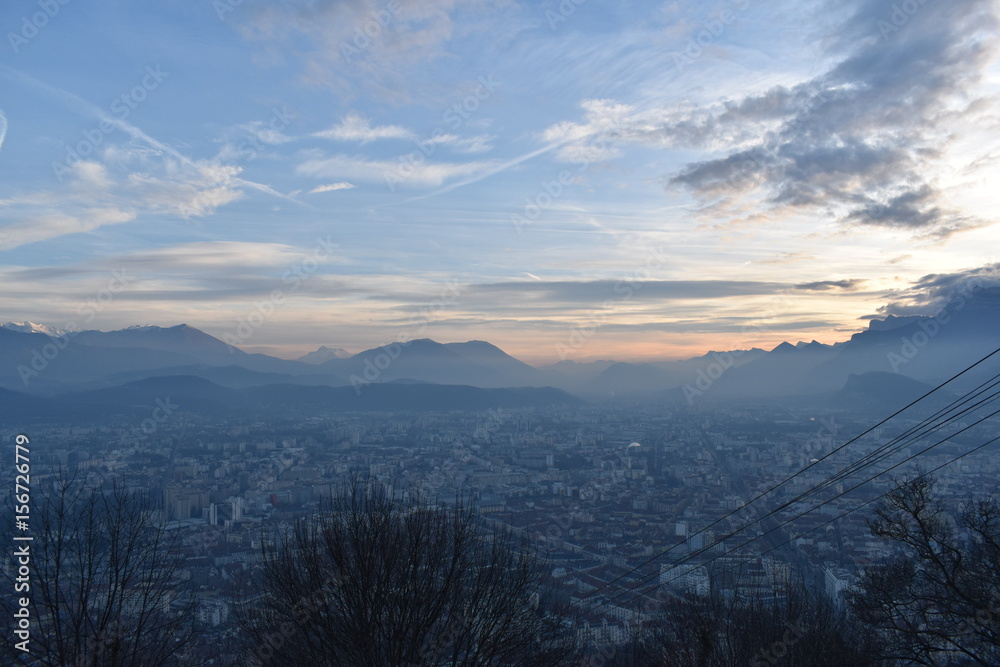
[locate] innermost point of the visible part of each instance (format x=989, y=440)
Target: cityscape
x=483, y=333
x=632, y=503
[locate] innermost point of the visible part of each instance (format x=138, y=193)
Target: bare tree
x=376, y=581
x=103, y=589
x=789, y=628
x=937, y=602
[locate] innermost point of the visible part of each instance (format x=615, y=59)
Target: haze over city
x=485, y=332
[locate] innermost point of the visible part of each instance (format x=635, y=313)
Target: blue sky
x=629, y=180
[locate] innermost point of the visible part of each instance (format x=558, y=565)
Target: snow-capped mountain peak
x=324, y=354
x=31, y=327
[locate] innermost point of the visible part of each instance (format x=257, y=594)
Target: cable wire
x=811, y=509
x=796, y=474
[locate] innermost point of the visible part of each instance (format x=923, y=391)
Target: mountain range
x=44, y=369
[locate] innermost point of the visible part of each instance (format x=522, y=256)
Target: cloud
x=824, y=285
x=863, y=137
x=129, y=183
x=246, y=141
x=482, y=170
x=371, y=44
x=608, y=125
x=218, y=271
x=166, y=187
x=597, y=291
x=605, y=121
x=638, y=306
x=120, y=183
x=46, y=225
x=150, y=146
x=357, y=128
x=3, y=128
x=786, y=258
x=915, y=209
x=399, y=172
x=933, y=292
x=476, y=144
x=556, y=296
x=332, y=187
x=865, y=143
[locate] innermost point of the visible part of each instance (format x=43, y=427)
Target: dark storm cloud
x=935, y=291
x=862, y=136
x=910, y=209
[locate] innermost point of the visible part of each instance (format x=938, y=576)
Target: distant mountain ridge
x=31, y=327
x=324, y=354
x=925, y=349
x=190, y=395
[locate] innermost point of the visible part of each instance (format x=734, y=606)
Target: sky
x=567, y=180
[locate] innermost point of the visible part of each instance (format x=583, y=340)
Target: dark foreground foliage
x=937, y=602
x=103, y=582
x=374, y=580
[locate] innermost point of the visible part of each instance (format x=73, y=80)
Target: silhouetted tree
x=376, y=581
x=103, y=589
x=790, y=628
x=937, y=602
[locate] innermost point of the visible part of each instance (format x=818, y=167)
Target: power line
x=793, y=476
x=883, y=495
x=841, y=494
x=886, y=450
x=815, y=507
x=808, y=511
x=834, y=519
